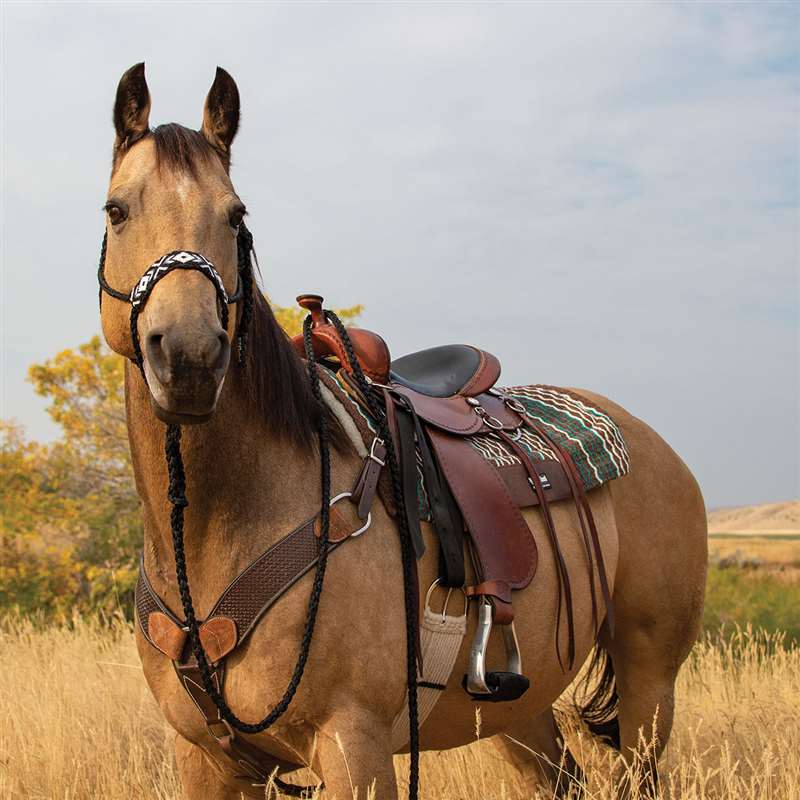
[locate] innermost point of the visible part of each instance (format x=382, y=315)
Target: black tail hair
x=599, y=710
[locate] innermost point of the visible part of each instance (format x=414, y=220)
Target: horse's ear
x=132, y=108
x=221, y=114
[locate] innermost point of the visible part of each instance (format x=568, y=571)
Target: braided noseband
x=186, y=259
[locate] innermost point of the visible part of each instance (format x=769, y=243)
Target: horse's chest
x=174, y=701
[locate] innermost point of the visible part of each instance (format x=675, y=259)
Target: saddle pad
x=588, y=434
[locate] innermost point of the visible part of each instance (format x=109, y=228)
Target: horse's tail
x=598, y=710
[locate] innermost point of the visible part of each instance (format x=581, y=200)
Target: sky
x=604, y=195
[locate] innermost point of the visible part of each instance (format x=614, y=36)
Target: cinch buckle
x=377, y=441
x=436, y=583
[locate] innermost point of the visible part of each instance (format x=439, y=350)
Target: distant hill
x=768, y=518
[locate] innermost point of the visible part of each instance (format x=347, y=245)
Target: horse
x=249, y=428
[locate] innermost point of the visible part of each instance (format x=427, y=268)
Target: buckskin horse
x=256, y=434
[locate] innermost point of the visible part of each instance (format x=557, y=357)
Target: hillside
x=768, y=518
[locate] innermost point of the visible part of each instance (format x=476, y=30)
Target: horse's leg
x=537, y=750
x=659, y=588
x=354, y=754
x=199, y=779
x=645, y=677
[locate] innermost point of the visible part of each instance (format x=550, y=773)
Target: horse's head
x=170, y=191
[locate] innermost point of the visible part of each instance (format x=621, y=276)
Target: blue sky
x=604, y=195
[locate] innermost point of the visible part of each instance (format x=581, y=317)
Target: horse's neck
x=245, y=487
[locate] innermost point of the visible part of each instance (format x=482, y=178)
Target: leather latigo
x=366, y=484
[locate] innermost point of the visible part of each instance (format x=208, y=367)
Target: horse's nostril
x=219, y=360
x=157, y=358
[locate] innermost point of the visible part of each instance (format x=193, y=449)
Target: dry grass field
x=769, y=518
x=79, y=724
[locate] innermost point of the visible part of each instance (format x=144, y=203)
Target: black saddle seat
x=438, y=371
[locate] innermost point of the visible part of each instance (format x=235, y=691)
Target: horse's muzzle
x=185, y=372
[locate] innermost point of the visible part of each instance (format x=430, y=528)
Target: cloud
x=603, y=195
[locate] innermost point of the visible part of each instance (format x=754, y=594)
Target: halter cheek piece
x=186, y=259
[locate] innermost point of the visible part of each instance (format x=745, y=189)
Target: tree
x=71, y=529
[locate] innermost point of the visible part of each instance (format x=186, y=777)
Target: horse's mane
x=181, y=149
x=274, y=377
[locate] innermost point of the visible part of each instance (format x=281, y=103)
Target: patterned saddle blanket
x=589, y=435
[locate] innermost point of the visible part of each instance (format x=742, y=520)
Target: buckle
x=377, y=442
x=436, y=583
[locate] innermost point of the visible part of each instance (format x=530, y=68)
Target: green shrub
x=741, y=596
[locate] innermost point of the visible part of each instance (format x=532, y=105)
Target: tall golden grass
x=78, y=723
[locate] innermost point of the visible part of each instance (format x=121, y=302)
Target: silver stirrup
x=476, y=678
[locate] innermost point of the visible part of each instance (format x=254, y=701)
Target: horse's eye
x=236, y=216
x=117, y=213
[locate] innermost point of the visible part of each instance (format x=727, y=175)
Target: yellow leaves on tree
x=40, y=527
x=71, y=522
x=71, y=528
x=291, y=318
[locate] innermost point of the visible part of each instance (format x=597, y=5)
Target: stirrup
x=494, y=687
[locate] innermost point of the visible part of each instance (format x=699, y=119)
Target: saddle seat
x=445, y=370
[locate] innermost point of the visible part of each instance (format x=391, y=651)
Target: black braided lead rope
x=177, y=498
x=371, y=395
x=245, y=293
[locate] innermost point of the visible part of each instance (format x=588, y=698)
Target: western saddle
x=434, y=401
